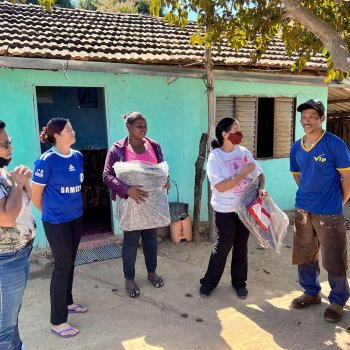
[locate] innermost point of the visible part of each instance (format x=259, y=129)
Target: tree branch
x=330, y=38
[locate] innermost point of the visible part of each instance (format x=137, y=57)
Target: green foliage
x=47, y=4
x=122, y=6
x=116, y=6
x=87, y=4
x=242, y=22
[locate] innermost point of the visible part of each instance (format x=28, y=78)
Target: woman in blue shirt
x=57, y=179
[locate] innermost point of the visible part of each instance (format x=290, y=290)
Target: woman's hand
x=136, y=194
x=167, y=186
x=262, y=194
x=248, y=169
x=20, y=175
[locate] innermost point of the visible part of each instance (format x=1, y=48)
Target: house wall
x=176, y=113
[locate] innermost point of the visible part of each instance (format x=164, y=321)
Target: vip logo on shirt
x=39, y=173
x=71, y=168
x=320, y=158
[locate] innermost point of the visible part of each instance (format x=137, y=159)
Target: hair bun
x=44, y=137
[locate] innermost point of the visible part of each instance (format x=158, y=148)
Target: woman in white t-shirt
x=230, y=169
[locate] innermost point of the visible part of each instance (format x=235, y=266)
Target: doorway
x=85, y=108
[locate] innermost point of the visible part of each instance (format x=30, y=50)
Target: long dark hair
x=54, y=126
x=224, y=124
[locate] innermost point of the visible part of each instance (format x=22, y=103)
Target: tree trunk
x=334, y=43
x=209, y=68
x=200, y=176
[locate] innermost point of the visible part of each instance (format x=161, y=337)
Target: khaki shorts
x=312, y=232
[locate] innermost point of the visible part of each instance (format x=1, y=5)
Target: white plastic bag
x=154, y=211
x=270, y=226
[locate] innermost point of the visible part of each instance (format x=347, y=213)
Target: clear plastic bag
x=270, y=237
x=154, y=211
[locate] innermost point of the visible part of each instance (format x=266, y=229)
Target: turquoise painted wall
x=176, y=115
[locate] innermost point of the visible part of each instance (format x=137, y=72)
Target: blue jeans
x=308, y=279
x=129, y=251
x=14, y=270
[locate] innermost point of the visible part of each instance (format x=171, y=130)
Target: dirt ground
x=175, y=317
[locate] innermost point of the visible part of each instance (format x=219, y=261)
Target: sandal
x=61, y=333
x=75, y=309
x=156, y=281
x=133, y=291
x=305, y=300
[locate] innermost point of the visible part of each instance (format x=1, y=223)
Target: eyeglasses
x=6, y=144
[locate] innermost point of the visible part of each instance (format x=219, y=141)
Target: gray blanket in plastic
x=154, y=211
x=273, y=237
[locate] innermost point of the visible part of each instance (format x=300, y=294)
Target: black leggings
x=64, y=240
x=231, y=233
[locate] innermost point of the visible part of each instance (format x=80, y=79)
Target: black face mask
x=4, y=162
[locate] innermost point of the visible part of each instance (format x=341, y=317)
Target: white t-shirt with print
x=222, y=166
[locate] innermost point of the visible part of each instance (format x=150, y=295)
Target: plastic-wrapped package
x=154, y=211
x=264, y=219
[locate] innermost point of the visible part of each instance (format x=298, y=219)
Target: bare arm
x=297, y=179
x=230, y=183
x=345, y=184
x=11, y=206
x=37, y=195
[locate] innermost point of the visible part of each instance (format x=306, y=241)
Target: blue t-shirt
x=320, y=189
x=62, y=176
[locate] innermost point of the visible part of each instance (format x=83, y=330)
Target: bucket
x=181, y=230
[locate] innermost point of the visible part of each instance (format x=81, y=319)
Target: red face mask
x=235, y=138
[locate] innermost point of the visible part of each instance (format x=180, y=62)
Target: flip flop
x=156, y=282
x=60, y=333
x=74, y=309
x=133, y=291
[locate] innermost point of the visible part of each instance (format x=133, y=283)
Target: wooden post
x=209, y=68
x=200, y=176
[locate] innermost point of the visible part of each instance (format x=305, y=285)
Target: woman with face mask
x=136, y=146
x=57, y=179
x=230, y=169
x=17, y=231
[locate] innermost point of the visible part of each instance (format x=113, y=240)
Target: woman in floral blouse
x=17, y=230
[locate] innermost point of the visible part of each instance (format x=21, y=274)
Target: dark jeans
x=64, y=240
x=231, y=233
x=129, y=251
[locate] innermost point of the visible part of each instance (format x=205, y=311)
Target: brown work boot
x=333, y=313
x=305, y=300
